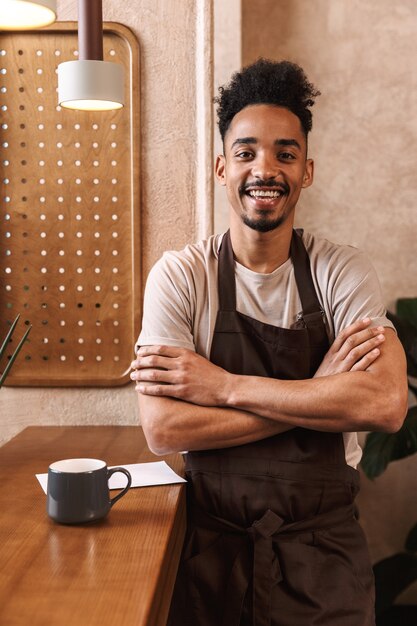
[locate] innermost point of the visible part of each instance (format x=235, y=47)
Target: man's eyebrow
x=244, y=140
x=277, y=142
x=287, y=142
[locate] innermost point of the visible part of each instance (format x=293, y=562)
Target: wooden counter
x=118, y=571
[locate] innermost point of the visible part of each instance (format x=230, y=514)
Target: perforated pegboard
x=69, y=221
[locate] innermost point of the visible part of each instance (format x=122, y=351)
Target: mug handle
x=125, y=489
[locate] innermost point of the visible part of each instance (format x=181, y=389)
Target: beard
x=263, y=224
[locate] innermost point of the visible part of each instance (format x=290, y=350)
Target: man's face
x=264, y=166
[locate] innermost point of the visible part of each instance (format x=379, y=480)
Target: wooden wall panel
x=69, y=220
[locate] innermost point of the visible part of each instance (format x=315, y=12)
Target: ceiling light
x=26, y=14
x=90, y=84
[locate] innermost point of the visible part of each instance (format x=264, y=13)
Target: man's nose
x=265, y=166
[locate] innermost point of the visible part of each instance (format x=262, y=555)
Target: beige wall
x=362, y=56
x=175, y=144
x=227, y=54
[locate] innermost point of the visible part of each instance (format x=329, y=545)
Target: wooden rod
x=90, y=30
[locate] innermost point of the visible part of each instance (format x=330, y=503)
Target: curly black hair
x=267, y=82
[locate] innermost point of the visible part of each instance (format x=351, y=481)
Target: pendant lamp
x=90, y=84
x=26, y=14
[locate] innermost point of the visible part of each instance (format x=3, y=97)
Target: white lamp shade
x=90, y=85
x=26, y=14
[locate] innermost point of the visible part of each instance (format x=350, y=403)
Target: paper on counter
x=143, y=475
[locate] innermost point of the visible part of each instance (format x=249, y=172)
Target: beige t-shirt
x=181, y=300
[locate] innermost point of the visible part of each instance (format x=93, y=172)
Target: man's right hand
x=354, y=349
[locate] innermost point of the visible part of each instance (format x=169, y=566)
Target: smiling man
x=264, y=201
x=262, y=352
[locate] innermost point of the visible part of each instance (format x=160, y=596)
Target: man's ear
x=220, y=169
x=308, y=174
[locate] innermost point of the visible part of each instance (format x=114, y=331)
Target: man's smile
x=263, y=194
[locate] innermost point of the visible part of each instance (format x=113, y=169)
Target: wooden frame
x=70, y=214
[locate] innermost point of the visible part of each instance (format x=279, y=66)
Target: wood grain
x=119, y=571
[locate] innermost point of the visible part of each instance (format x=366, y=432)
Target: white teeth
x=261, y=193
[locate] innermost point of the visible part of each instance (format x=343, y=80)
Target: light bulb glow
x=26, y=14
x=91, y=105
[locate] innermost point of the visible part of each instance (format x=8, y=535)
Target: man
x=239, y=366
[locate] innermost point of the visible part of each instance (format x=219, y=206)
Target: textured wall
x=227, y=59
x=173, y=37
x=361, y=55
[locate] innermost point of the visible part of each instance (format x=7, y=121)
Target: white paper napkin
x=143, y=475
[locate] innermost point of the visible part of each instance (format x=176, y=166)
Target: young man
x=238, y=364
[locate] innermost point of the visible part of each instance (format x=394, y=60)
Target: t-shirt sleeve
x=354, y=291
x=167, y=309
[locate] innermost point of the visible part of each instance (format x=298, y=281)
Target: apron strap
x=266, y=573
x=266, y=566
x=226, y=283
x=312, y=311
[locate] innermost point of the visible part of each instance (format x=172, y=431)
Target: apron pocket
x=321, y=585
x=346, y=544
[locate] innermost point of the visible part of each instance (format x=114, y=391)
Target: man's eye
x=244, y=154
x=286, y=156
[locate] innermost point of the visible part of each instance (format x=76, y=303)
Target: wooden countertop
x=118, y=571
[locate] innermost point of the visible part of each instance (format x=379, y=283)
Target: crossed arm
x=187, y=403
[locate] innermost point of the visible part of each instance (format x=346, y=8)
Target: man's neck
x=261, y=252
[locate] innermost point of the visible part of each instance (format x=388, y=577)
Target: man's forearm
x=345, y=402
x=173, y=425
x=372, y=399
x=356, y=387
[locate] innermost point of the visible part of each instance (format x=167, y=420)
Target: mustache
x=285, y=188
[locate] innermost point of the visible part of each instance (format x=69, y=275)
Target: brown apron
x=272, y=536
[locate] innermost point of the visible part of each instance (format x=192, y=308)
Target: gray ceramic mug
x=78, y=490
